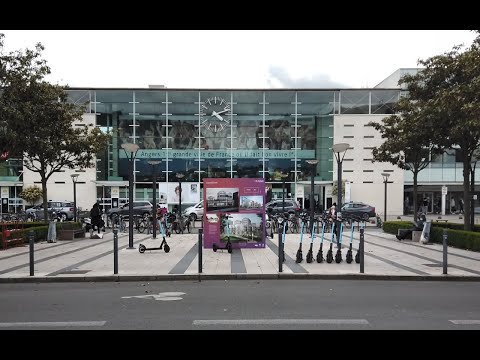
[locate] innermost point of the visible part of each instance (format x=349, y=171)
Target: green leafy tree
x=31, y=194
x=409, y=143
x=39, y=120
x=335, y=190
x=448, y=89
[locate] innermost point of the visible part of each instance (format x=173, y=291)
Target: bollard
x=361, y=247
x=115, y=251
x=31, y=241
x=445, y=249
x=200, y=250
x=280, y=252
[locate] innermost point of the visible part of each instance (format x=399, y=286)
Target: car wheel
x=193, y=216
x=365, y=216
x=63, y=217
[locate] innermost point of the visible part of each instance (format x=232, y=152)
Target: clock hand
x=217, y=116
x=221, y=112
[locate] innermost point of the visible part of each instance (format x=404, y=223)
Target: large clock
x=215, y=114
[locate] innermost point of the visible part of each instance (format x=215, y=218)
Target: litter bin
x=52, y=232
x=405, y=234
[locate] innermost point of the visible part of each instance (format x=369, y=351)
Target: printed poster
x=234, y=209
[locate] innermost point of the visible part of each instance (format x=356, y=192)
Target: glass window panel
x=188, y=97
x=248, y=168
x=247, y=134
x=277, y=166
x=151, y=134
x=354, y=102
x=280, y=134
x=247, y=97
x=383, y=101
x=307, y=133
x=150, y=96
x=182, y=134
x=145, y=171
x=189, y=167
x=280, y=109
x=114, y=96
x=215, y=168
x=280, y=97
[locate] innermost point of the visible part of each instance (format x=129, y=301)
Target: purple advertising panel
x=234, y=209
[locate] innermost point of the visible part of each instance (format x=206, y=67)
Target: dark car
x=142, y=208
x=291, y=206
x=359, y=209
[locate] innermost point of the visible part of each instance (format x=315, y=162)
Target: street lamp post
x=180, y=176
x=385, y=181
x=284, y=177
x=74, y=179
x=131, y=151
x=473, y=165
x=154, y=164
x=338, y=149
x=313, y=164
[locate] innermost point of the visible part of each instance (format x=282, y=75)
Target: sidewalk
x=92, y=260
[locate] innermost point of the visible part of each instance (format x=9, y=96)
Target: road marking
x=465, y=322
x=165, y=296
x=281, y=322
x=53, y=323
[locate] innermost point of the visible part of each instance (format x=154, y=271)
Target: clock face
x=215, y=114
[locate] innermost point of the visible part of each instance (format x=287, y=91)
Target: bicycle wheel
x=141, y=227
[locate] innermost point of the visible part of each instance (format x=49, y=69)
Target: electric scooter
x=299, y=258
x=284, y=231
x=310, y=251
x=320, y=251
x=330, y=251
x=357, y=257
x=163, y=244
x=228, y=245
x=349, y=257
x=338, y=255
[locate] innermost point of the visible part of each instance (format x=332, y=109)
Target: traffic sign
x=444, y=190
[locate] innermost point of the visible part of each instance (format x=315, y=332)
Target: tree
x=335, y=189
x=410, y=137
x=449, y=90
x=39, y=120
x=31, y=194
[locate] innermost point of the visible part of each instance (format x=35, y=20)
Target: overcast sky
x=233, y=58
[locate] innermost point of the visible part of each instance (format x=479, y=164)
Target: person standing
x=460, y=205
x=425, y=204
x=452, y=205
x=96, y=217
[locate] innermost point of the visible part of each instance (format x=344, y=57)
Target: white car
x=195, y=211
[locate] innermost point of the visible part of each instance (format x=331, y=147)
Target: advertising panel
x=170, y=193
x=235, y=211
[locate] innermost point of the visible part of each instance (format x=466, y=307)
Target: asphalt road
x=242, y=304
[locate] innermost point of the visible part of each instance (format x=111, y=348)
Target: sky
x=253, y=59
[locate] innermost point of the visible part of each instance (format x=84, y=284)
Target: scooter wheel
x=349, y=257
x=141, y=248
x=357, y=258
x=166, y=248
x=329, y=257
x=229, y=248
x=338, y=257
x=214, y=247
x=319, y=258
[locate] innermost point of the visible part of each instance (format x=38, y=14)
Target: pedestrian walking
x=96, y=217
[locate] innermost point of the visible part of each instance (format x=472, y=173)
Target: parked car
x=142, y=208
x=195, y=212
x=291, y=206
x=360, y=209
x=63, y=208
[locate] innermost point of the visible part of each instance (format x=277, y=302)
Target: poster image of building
x=222, y=199
x=251, y=202
x=241, y=228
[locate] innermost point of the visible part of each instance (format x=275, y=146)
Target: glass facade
x=223, y=133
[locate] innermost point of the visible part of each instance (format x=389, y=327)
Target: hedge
x=40, y=231
x=468, y=240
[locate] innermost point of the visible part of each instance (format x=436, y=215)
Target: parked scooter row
x=329, y=257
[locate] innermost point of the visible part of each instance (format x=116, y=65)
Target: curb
x=225, y=277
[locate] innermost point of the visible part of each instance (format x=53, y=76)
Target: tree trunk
x=415, y=207
x=466, y=195
x=45, y=198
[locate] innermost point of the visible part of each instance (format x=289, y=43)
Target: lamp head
x=340, y=148
x=154, y=162
x=312, y=162
x=180, y=176
x=131, y=148
x=385, y=176
x=74, y=177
